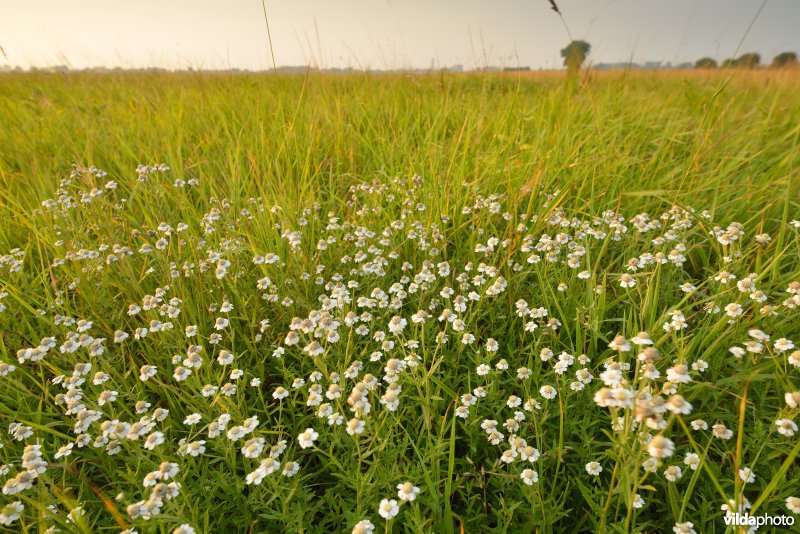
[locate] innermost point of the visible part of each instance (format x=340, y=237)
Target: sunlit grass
x=481, y=172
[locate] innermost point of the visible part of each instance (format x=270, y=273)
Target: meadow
x=401, y=303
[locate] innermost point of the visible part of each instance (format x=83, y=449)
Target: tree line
x=576, y=52
x=750, y=60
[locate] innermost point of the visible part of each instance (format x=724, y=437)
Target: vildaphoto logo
x=747, y=520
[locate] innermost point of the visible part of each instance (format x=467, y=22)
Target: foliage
x=304, y=224
x=785, y=59
x=705, y=63
x=748, y=61
x=575, y=54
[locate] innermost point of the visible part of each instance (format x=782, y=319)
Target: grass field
x=263, y=303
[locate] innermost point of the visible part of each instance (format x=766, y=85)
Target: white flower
x=290, y=469
x=147, y=371
x=407, y=491
x=673, y=473
x=64, y=451
x=192, y=419
x=687, y=287
x=746, y=475
x=11, y=512
x=181, y=373
x=733, y=310
x=650, y=465
x=679, y=374
x=513, y=401
x=684, y=528
x=388, y=509
x=719, y=430
x=529, y=476
x=737, y=351
x=678, y=405
x=787, y=427
x=509, y=456
x=397, y=324
x=196, y=448
x=793, y=504
x=120, y=336
x=642, y=338
x=225, y=357
x=153, y=440
x=699, y=424
x=594, y=468
x=364, y=526
x=660, y=447
x=548, y=392
x=307, y=438
x=255, y=477
x=692, y=461
x=355, y=426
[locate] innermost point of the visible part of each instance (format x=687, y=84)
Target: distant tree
x=785, y=59
x=749, y=60
x=575, y=54
x=705, y=63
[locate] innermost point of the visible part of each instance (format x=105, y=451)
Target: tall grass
x=619, y=134
x=273, y=152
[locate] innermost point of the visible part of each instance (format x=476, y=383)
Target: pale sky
x=384, y=34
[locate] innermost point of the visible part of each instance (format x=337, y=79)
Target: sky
x=384, y=34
